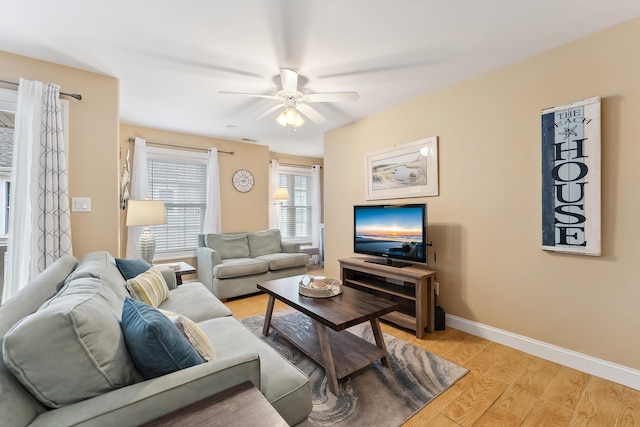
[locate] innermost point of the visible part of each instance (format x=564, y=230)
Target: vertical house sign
x=571, y=178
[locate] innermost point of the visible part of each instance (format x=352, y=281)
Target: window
x=179, y=179
x=295, y=214
x=8, y=101
x=6, y=196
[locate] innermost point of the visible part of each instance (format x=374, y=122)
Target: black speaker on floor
x=439, y=318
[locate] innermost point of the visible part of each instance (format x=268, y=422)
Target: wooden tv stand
x=411, y=287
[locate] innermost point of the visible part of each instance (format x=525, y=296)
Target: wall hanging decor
x=125, y=179
x=571, y=178
x=243, y=180
x=407, y=170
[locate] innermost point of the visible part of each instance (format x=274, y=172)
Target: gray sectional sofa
x=232, y=265
x=65, y=361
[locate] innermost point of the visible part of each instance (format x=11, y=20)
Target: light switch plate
x=81, y=204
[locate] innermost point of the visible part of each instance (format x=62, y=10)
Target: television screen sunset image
x=390, y=231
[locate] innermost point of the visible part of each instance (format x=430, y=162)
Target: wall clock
x=243, y=180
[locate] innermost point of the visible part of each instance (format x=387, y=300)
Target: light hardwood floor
x=504, y=387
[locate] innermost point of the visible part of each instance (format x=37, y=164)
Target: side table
x=239, y=406
x=180, y=268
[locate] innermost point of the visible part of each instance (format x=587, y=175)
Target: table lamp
x=146, y=213
x=281, y=195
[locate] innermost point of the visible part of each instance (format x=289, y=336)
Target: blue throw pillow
x=156, y=345
x=130, y=268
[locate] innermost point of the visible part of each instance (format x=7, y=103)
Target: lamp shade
x=281, y=195
x=146, y=212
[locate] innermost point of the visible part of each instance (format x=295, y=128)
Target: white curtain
x=316, y=206
x=139, y=190
x=39, y=218
x=274, y=209
x=212, y=214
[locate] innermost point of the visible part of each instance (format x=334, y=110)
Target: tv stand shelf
x=411, y=287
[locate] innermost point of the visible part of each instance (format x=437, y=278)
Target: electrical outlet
x=436, y=288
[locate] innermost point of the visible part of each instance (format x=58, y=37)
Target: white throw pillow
x=193, y=333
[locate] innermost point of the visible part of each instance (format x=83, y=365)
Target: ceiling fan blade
x=255, y=95
x=269, y=111
x=312, y=114
x=332, y=97
x=289, y=80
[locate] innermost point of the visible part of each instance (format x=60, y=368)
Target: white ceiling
x=173, y=57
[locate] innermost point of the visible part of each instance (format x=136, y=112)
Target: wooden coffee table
x=338, y=351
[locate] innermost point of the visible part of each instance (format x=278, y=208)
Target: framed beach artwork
x=407, y=170
x=571, y=175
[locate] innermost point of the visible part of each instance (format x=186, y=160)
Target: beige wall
x=486, y=223
x=93, y=146
x=97, y=148
x=240, y=211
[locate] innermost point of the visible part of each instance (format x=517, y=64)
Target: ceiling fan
x=294, y=101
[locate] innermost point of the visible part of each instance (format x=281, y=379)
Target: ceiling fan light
x=282, y=118
x=290, y=117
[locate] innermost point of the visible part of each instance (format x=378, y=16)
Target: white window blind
x=295, y=214
x=179, y=179
x=5, y=192
x=8, y=104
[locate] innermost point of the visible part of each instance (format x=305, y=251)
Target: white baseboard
x=581, y=362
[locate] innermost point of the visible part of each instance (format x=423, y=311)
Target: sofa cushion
x=239, y=267
x=194, y=301
x=41, y=288
x=149, y=287
x=156, y=345
x=72, y=348
x=229, y=245
x=130, y=268
x=101, y=265
x=286, y=387
x=264, y=242
x=193, y=334
x=281, y=261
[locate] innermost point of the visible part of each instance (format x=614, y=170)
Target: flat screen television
x=391, y=233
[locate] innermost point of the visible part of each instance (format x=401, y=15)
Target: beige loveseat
x=65, y=360
x=232, y=265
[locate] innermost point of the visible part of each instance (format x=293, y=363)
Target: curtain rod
x=296, y=166
x=75, y=96
x=166, y=144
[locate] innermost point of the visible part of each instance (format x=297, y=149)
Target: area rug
x=375, y=395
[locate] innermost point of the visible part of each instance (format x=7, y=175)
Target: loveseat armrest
x=207, y=259
x=151, y=399
x=290, y=247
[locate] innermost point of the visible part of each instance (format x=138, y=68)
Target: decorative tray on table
x=309, y=288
